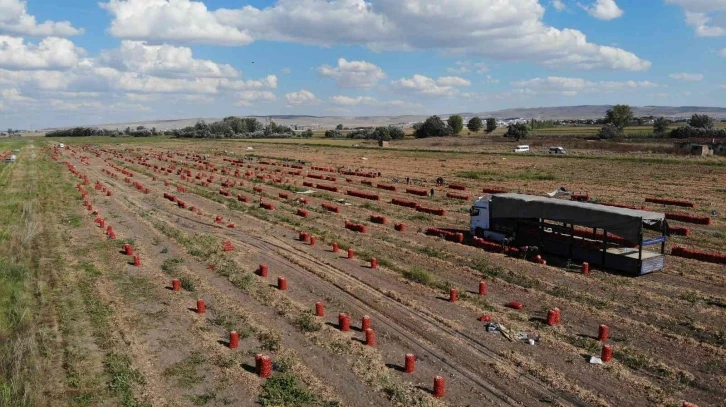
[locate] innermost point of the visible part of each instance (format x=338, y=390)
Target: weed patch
x=418, y=275
x=283, y=390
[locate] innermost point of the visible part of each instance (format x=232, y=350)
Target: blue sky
x=84, y=62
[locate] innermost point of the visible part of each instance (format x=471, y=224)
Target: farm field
x=95, y=326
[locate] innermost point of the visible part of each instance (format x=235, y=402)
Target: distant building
x=694, y=148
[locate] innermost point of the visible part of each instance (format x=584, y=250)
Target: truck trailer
x=609, y=237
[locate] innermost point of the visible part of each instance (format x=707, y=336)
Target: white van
x=11, y=159
x=61, y=145
x=558, y=150
x=521, y=149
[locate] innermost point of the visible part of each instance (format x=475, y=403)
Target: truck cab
x=481, y=224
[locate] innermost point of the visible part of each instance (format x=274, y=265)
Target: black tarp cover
x=623, y=222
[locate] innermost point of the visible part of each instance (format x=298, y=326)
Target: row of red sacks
x=450, y=236
x=673, y=202
x=717, y=258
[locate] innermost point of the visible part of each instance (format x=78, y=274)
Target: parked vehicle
x=558, y=150
x=521, y=149
x=10, y=159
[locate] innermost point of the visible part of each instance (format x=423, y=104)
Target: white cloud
x=163, y=60
x=489, y=28
x=604, y=10
x=558, y=5
x=353, y=74
x=197, y=99
x=463, y=67
x=689, y=77
x=92, y=76
x=721, y=52
x=403, y=105
x=350, y=101
x=707, y=17
x=303, y=97
x=14, y=19
x=573, y=86
x=285, y=71
x=176, y=20
x=419, y=84
x=14, y=95
x=59, y=104
x=452, y=81
x=492, y=80
x=249, y=98
x=136, y=97
x=50, y=53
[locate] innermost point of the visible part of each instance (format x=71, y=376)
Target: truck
x=610, y=237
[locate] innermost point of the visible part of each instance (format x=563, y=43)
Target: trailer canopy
x=626, y=223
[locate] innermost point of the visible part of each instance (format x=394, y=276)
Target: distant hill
x=597, y=111
x=542, y=113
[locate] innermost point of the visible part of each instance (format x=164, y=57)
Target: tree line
x=434, y=126
x=621, y=116
x=380, y=133
x=229, y=127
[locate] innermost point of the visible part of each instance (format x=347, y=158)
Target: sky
x=82, y=62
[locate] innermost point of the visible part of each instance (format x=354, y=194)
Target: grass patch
x=566, y=293
x=532, y=176
x=434, y=252
x=171, y=266
x=307, y=322
x=478, y=175
x=74, y=220
x=269, y=341
x=283, y=390
x=187, y=284
x=123, y=378
x=418, y=275
x=185, y=372
x=233, y=323
x=204, y=399
x=482, y=265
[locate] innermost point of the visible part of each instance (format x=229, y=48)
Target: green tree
x=432, y=127
x=238, y=125
x=518, y=131
x=307, y=134
x=475, y=124
x=609, y=131
x=252, y=124
x=339, y=127
x=620, y=116
x=382, y=133
x=221, y=129
x=333, y=134
x=491, y=124
x=396, y=133
x=701, y=121
x=456, y=123
x=660, y=126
